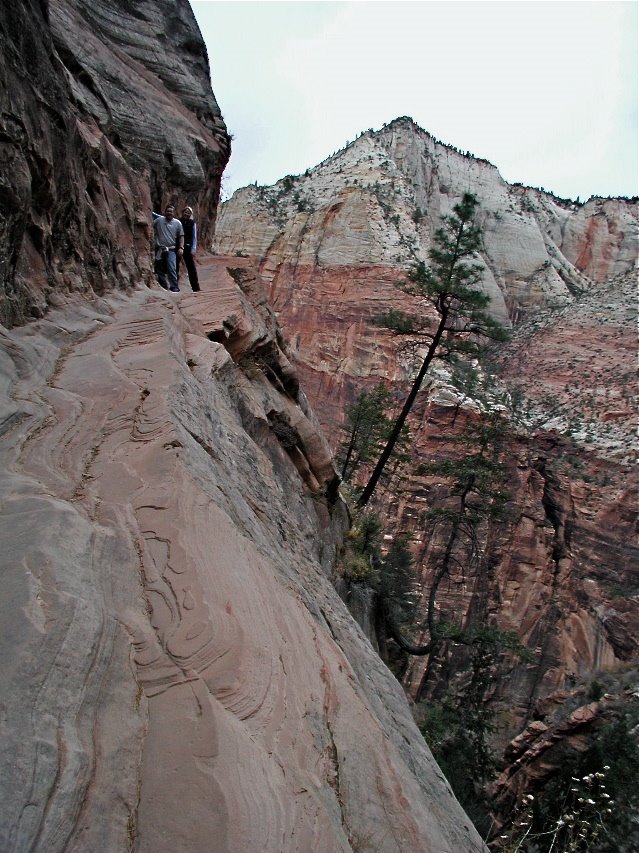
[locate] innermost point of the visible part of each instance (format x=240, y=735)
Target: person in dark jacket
x=190, y=247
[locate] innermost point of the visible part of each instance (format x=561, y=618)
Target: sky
x=546, y=90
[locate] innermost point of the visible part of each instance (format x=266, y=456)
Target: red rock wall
x=576, y=612
x=561, y=571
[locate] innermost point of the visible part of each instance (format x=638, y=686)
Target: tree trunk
x=399, y=423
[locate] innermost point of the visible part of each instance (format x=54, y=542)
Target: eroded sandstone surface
x=178, y=670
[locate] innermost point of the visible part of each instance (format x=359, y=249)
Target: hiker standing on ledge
x=190, y=246
x=169, y=242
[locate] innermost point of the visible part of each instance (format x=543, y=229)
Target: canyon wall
x=331, y=245
x=101, y=121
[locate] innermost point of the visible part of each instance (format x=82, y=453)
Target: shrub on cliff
x=366, y=429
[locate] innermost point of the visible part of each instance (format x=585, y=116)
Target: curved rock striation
x=178, y=671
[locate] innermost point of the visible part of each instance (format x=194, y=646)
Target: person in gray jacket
x=169, y=245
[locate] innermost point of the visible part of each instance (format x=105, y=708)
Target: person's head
x=187, y=212
x=169, y=210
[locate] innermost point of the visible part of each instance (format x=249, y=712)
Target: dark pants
x=189, y=263
x=166, y=270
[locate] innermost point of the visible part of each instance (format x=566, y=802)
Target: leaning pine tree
x=448, y=286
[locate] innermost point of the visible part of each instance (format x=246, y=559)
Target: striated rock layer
x=178, y=671
x=106, y=111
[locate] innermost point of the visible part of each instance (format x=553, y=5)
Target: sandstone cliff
x=332, y=244
x=377, y=202
x=101, y=120
x=178, y=672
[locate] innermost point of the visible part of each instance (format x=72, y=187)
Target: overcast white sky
x=544, y=90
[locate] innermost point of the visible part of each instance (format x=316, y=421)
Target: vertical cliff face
x=106, y=112
x=331, y=246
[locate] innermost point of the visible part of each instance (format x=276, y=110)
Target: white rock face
x=379, y=201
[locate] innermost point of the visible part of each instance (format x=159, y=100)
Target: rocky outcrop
x=569, y=748
x=101, y=120
x=378, y=202
x=178, y=670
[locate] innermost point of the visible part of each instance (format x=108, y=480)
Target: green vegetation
x=591, y=803
x=458, y=728
x=448, y=287
x=362, y=551
x=396, y=582
x=366, y=428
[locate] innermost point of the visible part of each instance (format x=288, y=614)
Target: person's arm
x=194, y=243
x=179, y=243
x=156, y=215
